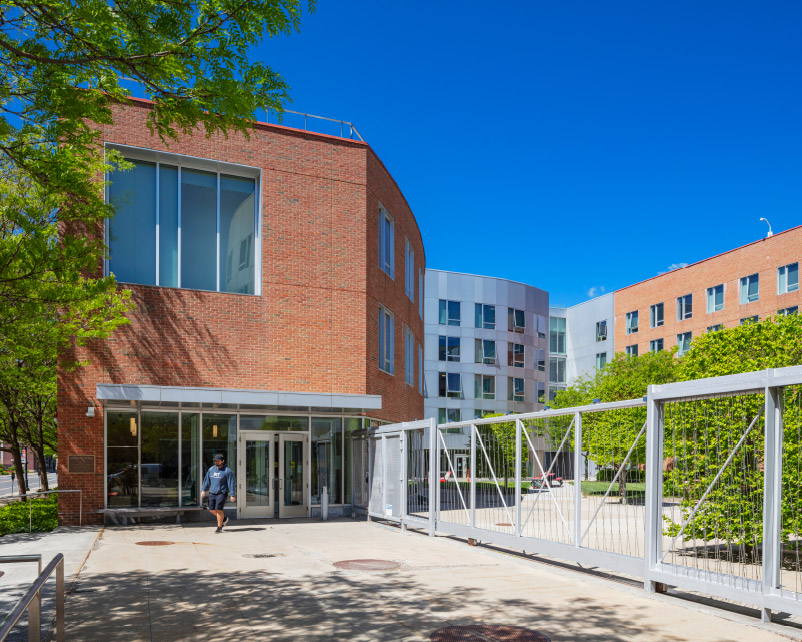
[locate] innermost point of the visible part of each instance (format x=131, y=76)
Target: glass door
x=257, y=461
x=293, y=467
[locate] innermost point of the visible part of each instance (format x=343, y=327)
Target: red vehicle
x=539, y=481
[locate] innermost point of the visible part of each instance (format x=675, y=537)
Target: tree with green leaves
x=607, y=437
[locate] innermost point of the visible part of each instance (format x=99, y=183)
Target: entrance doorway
x=274, y=474
x=461, y=464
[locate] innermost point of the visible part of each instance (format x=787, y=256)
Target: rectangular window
x=449, y=349
x=449, y=312
x=516, y=320
x=515, y=389
x=409, y=270
x=448, y=415
x=484, y=387
x=748, y=320
x=684, y=307
x=484, y=351
x=420, y=369
x=515, y=355
x=601, y=360
x=450, y=384
x=715, y=298
x=540, y=394
x=557, y=369
x=540, y=360
x=632, y=351
x=601, y=331
x=485, y=316
x=557, y=335
x=386, y=242
x=656, y=345
x=326, y=446
x=750, y=288
x=420, y=292
x=541, y=326
x=181, y=227
x=386, y=340
x=794, y=309
x=656, y=315
x=684, y=343
x=632, y=322
x=788, y=278
x=409, y=357
x=715, y=328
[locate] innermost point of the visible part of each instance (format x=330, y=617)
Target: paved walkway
x=207, y=586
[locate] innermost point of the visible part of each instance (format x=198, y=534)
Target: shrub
x=14, y=518
x=633, y=475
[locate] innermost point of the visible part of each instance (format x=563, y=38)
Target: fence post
x=518, y=436
x=653, y=532
x=60, y=625
x=772, y=494
x=404, y=456
x=434, y=482
x=577, y=479
x=472, y=482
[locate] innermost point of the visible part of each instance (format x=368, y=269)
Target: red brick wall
x=313, y=329
x=762, y=257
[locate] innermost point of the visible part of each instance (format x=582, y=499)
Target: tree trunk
x=622, y=486
x=17, y=456
x=39, y=453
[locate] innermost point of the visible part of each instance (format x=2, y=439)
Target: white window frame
x=601, y=331
x=601, y=360
x=386, y=229
x=745, y=282
x=449, y=391
x=794, y=309
x=447, y=347
x=513, y=394
x=654, y=346
x=783, y=286
x=409, y=270
x=538, y=361
x=516, y=355
x=632, y=322
x=480, y=310
x=715, y=328
x=481, y=353
x=448, y=307
x=685, y=307
x=681, y=338
x=479, y=382
x=632, y=350
x=711, y=298
x=184, y=161
x=386, y=346
x=654, y=322
x=512, y=315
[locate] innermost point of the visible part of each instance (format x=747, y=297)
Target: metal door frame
x=293, y=511
x=255, y=435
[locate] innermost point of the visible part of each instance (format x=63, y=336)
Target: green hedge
x=633, y=475
x=14, y=517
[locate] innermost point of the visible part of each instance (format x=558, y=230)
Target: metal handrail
x=51, y=492
x=32, y=603
x=351, y=128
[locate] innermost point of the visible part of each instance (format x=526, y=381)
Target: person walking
x=219, y=483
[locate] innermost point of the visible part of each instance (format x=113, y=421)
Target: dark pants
x=217, y=501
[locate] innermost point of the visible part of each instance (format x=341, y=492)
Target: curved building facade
x=486, y=346
x=277, y=282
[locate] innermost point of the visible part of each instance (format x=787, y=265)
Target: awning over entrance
x=254, y=398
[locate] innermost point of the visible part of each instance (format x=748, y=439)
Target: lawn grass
x=14, y=517
x=599, y=488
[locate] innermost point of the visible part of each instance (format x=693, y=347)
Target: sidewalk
x=276, y=581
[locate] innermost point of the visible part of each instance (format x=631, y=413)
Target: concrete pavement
x=276, y=581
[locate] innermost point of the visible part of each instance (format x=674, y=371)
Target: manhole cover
x=258, y=555
x=486, y=633
x=504, y=524
x=367, y=565
x=155, y=543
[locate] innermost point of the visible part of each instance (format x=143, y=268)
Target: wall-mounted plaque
x=81, y=464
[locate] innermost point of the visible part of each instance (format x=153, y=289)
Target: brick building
x=278, y=286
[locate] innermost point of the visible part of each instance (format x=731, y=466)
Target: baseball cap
x=219, y=457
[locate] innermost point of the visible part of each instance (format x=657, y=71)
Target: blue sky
x=571, y=145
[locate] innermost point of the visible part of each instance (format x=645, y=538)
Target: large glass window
x=656, y=315
x=327, y=466
x=684, y=307
x=542, y=325
x=515, y=389
x=448, y=348
x=632, y=322
x=420, y=292
x=159, y=462
x=632, y=351
x=794, y=309
x=788, y=278
x=409, y=271
x=515, y=355
x=484, y=387
x=601, y=360
x=557, y=369
x=448, y=415
x=386, y=242
x=450, y=384
x=516, y=320
x=272, y=422
x=715, y=298
x=484, y=351
x=684, y=343
x=183, y=227
x=449, y=312
x=191, y=476
x=557, y=335
x=132, y=230
x=219, y=436
x=352, y=424
x=122, y=459
x=750, y=288
x=409, y=357
x=655, y=345
x=601, y=331
x=485, y=316
x=386, y=341
x=540, y=360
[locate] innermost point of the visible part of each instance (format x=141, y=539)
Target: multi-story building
x=278, y=287
x=486, y=346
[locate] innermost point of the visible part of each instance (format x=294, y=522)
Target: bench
x=124, y=514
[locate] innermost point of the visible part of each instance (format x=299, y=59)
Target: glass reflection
x=237, y=234
x=293, y=473
x=159, y=464
x=122, y=459
x=190, y=456
x=220, y=436
x=257, y=471
x=327, y=459
x=198, y=230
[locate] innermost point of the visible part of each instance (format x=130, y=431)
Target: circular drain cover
x=486, y=633
x=155, y=543
x=258, y=555
x=367, y=565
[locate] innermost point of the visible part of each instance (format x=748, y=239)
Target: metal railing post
x=653, y=531
x=772, y=493
x=518, y=435
x=433, y=483
x=35, y=618
x=436, y=467
x=472, y=482
x=577, y=479
x=60, y=624
x=402, y=443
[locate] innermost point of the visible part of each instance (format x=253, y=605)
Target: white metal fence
x=697, y=485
